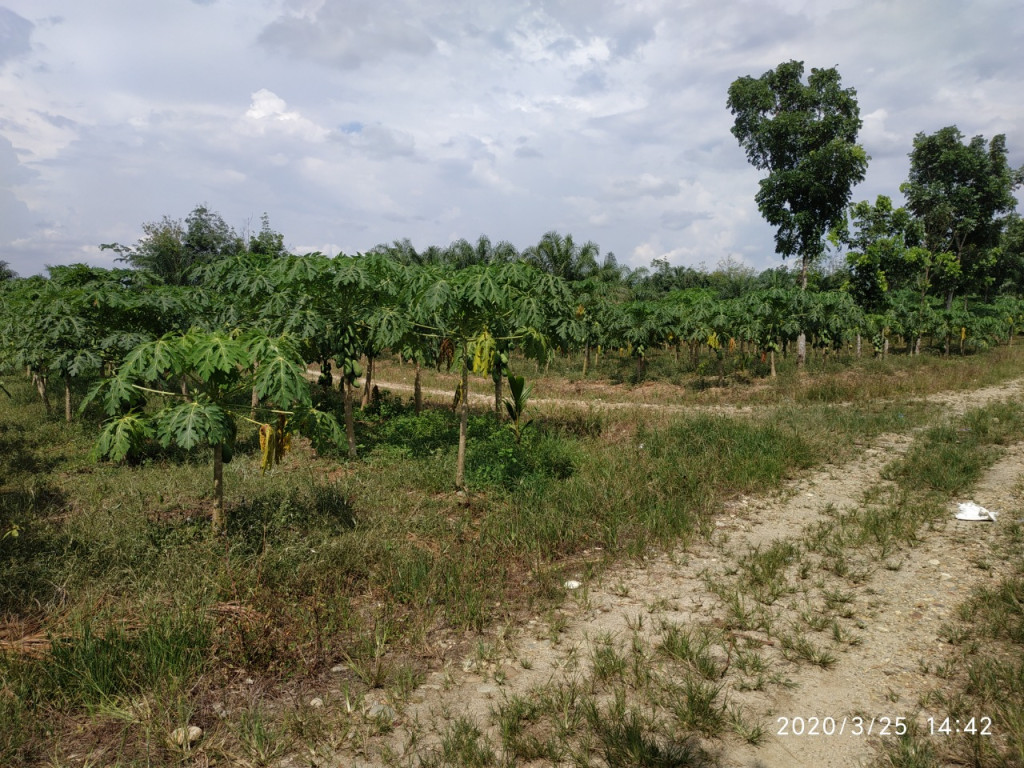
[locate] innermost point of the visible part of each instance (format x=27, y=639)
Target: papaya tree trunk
x=40, y=382
x=417, y=390
x=350, y=424
x=460, y=466
x=586, y=360
x=218, y=488
x=67, y=398
x=368, y=385
x=496, y=374
x=772, y=358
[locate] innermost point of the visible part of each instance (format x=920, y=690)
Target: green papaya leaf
x=122, y=437
x=191, y=423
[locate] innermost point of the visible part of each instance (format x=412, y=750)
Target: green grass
x=462, y=746
x=327, y=562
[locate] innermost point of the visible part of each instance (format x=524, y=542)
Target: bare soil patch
x=893, y=623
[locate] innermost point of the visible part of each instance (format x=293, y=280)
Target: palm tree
x=561, y=257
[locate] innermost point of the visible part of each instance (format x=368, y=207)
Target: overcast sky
x=356, y=122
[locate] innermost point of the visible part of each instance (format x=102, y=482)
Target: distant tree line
x=945, y=271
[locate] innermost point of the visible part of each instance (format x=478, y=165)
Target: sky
x=357, y=122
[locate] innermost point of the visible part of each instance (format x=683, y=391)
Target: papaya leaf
x=283, y=381
x=115, y=393
x=122, y=436
x=191, y=423
x=320, y=427
x=150, y=360
x=213, y=353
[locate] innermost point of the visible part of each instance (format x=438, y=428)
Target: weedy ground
x=125, y=617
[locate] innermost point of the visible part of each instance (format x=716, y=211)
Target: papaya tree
x=221, y=369
x=640, y=326
x=79, y=320
x=466, y=306
x=774, y=319
x=321, y=303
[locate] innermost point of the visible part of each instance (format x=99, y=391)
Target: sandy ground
x=897, y=612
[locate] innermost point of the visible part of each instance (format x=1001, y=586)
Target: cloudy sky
x=356, y=122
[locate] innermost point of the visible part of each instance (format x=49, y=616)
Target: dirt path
x=487, y=398
x=888, y=616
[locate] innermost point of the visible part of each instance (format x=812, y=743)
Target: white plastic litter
x=971, y=511
x=572, y=584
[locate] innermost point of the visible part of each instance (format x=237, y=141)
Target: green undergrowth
x=950, y=458
x=144, y=617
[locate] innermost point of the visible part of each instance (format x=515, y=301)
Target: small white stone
x=186, y=737
x=316, y=702
x=338, y=668
x=572, y=584
x=933, y=562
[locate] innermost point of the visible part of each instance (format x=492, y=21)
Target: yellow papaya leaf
x=268, y=447
x=483, y=353
x=283, y=441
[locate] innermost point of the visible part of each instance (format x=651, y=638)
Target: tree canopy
x=805, y=137
x=961, y=192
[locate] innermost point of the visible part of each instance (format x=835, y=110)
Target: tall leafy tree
x=266, y=242
x=171, y=248
x=804, y=135
x=962, y=193
x=879, y=238
x=1009, y=270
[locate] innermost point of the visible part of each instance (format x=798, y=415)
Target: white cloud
x=269, y=113
x=353, y=122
